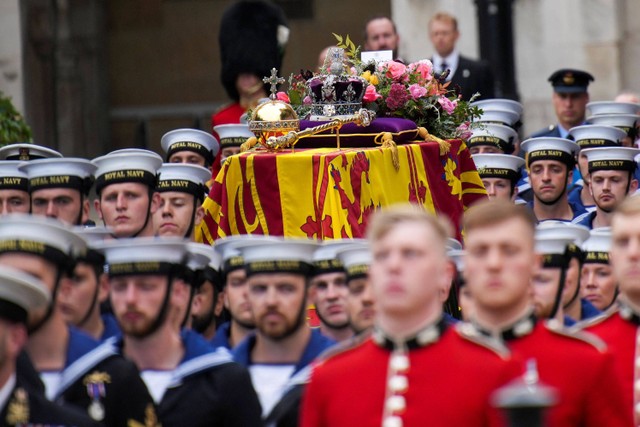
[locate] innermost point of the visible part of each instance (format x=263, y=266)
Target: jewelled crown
x=334, y=93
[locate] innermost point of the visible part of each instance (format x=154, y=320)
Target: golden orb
x=273, y=118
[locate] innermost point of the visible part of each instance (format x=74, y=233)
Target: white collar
x=5, y=391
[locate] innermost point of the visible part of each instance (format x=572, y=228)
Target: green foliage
x=12, y=125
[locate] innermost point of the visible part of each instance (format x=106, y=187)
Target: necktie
x=443, y=67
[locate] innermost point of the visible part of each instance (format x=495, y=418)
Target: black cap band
x=182, y=186
x=234, y=141
x=12, y=312
x=142, y=268
x=133, y=175
x=554, y=261
x=615, y=165
x=282, y=266
x=233, y=263
x=195, y=147
x=596, y=142
x=596, y=257
x=357, y=271
x=327, y=266
x=61, y=181
x=509, y=174
x=47, y=252
x=493, y=141
x=559, y=155
x=14, y=183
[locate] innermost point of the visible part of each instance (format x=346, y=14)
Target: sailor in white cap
x=190, y=382
x=356, y=260
x=14, y=189
x=191, y=146
x=575, y=308
x=125, y=184
x=25, y=152
x=67, y=360
x=207, y=305
x=328, y=290
x=20, y=404
x=232, y=136
x=490, y=138
x=590, y=136
x=550, y=163
x=598, y=285
x=499, y=173
x=59, y=188
x=626, y=122
x=81, y=302
x=279, y=354
x=611, y=171
x=182, y=191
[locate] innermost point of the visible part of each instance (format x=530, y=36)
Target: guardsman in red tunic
x=619, y=326
x=413, y=370
x=499, y=263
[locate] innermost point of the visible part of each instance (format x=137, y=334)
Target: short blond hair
x=491, y=212
x=629, y=206
x=444, y=17
x=384, y=220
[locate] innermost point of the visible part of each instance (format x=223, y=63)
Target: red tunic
x=449, y=384
x=621, y=337
x=582, y=373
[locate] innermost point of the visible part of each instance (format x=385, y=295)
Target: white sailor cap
x=499, y=104
x=592, y=136
x=325, y=257
x=127, y=165
x=626, y=122
x=20, y=293
x=596, y=248
x=228, y=248
x=498, y=166
x=66, y=172
x=549, y=148
x=499, y=136
x=42, y=236
x=233, y=135
x=143, y=255
x=553, y=250
x=94, y=236
x=457, y=257
x=194, y=140
x=503, y=117
x=11, y=177
x=612, y=107
x=289, y=255
x=356, y=259
x=201, y=256
x=611, y=158
x=453, y=244
x=563, y=230
x=184, y=178
x=26, y=152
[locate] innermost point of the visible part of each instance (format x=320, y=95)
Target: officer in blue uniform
x=76, y=369
x=191, y=383
x=279, y=354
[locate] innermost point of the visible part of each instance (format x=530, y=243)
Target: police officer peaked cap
x=493, y=134
x=184, y=178
x=568, y=80
x=505, y=117
x=575, y=233
x=194, y=140
x=233, y=135
x=549, y=148
x=498, y=166
x=127, y=165
x=612, y=107
x=20, y=293
x=499, y=104
x=591, y=136
x=611, y=158
x=356, y=260
x=597, y=246
x=143, y=255
x=42, y=236
x=26, y=152
x=267, y=255
x=11, y=177
x=66, y=172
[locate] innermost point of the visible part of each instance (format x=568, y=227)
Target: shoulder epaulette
x=558, y=328
x=469, y=332
x=343, y=346
x=594, y=320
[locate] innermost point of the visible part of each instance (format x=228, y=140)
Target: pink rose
x=423, y=69
x=370, y=94
x=463, y=131
x=447, y=104
x=417, y=91
x=281, y=96
x=395, y=70
x=307, y=100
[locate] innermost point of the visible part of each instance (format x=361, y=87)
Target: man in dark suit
x=469, y=75
x=570, y=98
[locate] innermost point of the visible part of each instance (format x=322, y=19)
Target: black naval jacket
x=26, y=407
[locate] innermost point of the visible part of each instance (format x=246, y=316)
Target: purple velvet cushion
x=351, y=135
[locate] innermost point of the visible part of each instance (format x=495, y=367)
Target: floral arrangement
x=412, y=91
